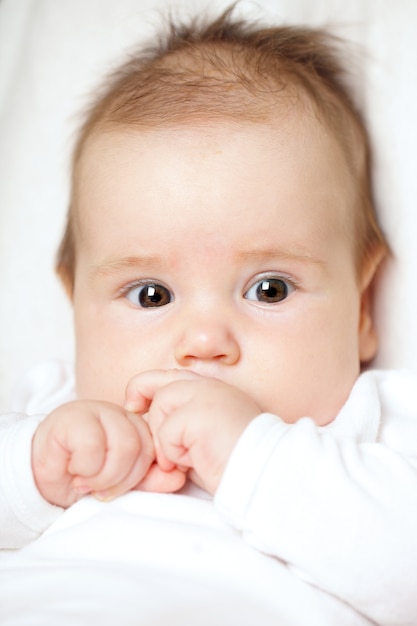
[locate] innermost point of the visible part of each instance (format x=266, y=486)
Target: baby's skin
x=174, y=424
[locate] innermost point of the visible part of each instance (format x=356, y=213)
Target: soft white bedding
x=153, y=559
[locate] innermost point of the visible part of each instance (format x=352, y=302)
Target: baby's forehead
x=292, y=124
x=123, y=157
x=223, y=73
x=249, y=168
x=212, y=83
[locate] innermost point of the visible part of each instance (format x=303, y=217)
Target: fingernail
x=130, y=406
x=103, y=496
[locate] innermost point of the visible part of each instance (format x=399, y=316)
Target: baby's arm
x=80, y=447
x=24, y=514
x=342, y=511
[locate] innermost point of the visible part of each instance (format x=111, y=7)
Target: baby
x=220, y=252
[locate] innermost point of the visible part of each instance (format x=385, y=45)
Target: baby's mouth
x=207, y=371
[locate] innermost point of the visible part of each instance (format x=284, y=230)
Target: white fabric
x=24, y=514
x=337, y=504
x=51, y=55
x=148, y=560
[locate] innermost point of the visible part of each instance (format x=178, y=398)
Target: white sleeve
x=341, y=512
x=24, y=514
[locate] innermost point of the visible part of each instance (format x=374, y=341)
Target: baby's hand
x=195, y=421
x=85, y=446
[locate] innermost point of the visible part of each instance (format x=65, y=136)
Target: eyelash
x=265, y=282
x=142, y=284
x=286, y=284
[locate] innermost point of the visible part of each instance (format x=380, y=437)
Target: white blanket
x=153, y=559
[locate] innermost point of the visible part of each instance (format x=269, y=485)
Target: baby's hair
x=202, y=72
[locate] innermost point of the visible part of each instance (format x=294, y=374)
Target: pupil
x=272, y=290
x=152, y=296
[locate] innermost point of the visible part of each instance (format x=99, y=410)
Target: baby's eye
x=149, y=295
x=269, y=290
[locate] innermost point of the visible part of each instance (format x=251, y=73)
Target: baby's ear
x=66, y=278
x=65, y=258
x=367, y=336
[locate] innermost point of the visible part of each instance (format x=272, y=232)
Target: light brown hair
x=233, y=69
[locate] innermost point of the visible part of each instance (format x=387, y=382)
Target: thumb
x=141, y=388
x=160, y=481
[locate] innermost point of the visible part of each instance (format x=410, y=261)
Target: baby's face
x=226, y=250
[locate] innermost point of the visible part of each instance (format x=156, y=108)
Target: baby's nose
x=207, y=341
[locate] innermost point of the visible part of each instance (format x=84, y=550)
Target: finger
x=169, y=418
x=141, y=389
x=159, y=481
x=168, y=465
x=86, y=449
x=171, y=445
x=128, y=454
x=136, y=474
x=163, y=462
x=70, y=445
x=59, y=454
x=49, y=466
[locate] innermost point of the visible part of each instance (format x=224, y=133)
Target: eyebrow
x=114, y=266
x=281, y=254
x=111, y=266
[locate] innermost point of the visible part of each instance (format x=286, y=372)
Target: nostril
x=207, y=345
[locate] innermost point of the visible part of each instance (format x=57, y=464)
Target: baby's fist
x=87, y=446
x=195, y=421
